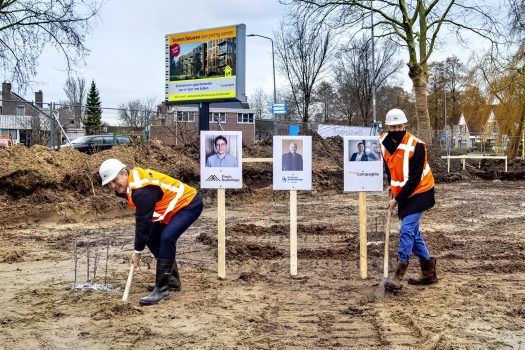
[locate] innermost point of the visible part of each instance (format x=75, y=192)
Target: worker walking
x=412, y=188
x=165, y=207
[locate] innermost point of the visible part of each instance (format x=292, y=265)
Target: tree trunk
x=423, y=119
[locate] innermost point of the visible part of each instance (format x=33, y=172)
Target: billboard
x=206, y=65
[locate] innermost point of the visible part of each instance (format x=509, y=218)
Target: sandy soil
x=476, y=230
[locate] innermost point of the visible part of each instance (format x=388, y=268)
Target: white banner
x=325, y=130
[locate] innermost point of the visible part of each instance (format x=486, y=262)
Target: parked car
x=96, y=143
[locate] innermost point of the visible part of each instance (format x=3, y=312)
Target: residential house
x=461, y=137
x=180, y=124
x=27, y=122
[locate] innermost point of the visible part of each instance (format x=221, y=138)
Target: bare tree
x=354, y=74
x=138, y=113
x=27, y=27
x=75, y=90
x=326, y=96
x=261, y=103
x=303, y=49
x=415, y=25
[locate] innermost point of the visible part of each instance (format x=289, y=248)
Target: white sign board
x=221, y=159
x=363, y=164
x=292, y=162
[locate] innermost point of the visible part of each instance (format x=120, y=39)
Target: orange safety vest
x=176, y=195
x=398, y=164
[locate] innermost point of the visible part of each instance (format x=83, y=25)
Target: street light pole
x=274, y=90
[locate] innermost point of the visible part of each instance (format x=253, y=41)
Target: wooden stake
x=362, y=235
x=293, y=232
x=523, y=143
x=221, y=232
x=128, y=283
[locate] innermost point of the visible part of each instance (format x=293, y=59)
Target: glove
x=135, y=259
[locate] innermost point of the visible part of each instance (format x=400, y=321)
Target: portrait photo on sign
x=292, y=155
x=363, y=150
x=221, y=151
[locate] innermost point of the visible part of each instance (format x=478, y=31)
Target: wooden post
x=463, y=161
x=505, y=163
x=448, y=164
x=221, y=232
x=293, y=232
x=362, y=235
x=523, y=143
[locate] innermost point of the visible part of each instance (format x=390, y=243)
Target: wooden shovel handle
x=387, y=239
x=128, y=283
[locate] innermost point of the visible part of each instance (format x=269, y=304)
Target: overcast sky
x=127, y=47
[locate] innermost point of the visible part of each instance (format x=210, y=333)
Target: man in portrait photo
x=360, y=155
x=292, y=161
x=373, y=153
x=221, y=157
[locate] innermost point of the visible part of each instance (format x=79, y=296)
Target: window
x=217, y=117
x=186, y=117
x=245, y=118
x=20, y=110
x=72, y=122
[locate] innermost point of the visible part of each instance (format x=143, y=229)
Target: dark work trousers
x=163, y=238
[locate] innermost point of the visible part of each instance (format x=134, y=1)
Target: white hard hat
x=109, y=170
x=395, y=116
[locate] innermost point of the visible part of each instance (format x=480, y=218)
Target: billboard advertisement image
x=206, y=65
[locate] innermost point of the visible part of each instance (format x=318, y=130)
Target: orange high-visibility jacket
x=398, y=164
x=176, y=195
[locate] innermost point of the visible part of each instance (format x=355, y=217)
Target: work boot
x=428, y=273
x=394, y=284
x=161, y=290
x=174, y=281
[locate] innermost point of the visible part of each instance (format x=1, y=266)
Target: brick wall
x=164, y=129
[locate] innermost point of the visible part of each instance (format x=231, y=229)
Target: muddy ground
x=50, y=201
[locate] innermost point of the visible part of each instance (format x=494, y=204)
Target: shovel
x=381, y=291
x=128, y=283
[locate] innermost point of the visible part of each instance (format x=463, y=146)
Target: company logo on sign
x=284, y=178
x=213, y=178
x=229, y=178
x=175, y=49
x=362, y=173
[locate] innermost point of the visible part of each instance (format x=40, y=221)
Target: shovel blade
x=381, y=291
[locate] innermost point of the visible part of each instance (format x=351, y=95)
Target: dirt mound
x=66, y=184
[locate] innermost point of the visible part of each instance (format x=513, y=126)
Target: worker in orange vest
x=412, y=191
x=165, y=207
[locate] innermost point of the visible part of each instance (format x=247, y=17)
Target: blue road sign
x=279, y=108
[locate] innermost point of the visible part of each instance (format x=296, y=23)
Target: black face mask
x=397, y=136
